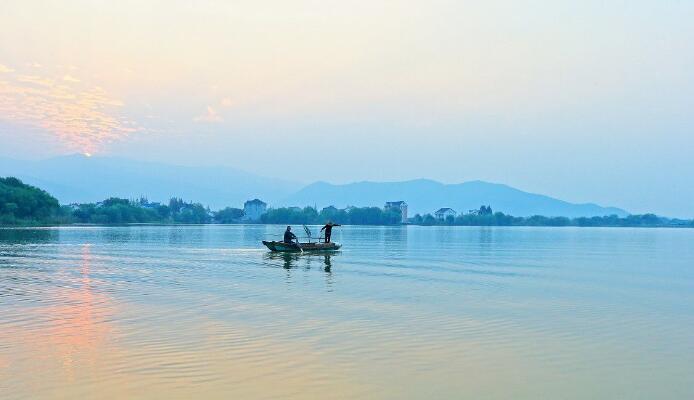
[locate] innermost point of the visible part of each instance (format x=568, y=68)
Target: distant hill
x=77, y=178
x=427, y=196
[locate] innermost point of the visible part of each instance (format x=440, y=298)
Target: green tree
x=228, y=215
x=25, y=204
x=429, y=220
x=192, y=213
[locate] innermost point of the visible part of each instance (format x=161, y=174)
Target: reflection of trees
x=395, y=239
x=15, y=236
x=485, y=240
x=395, y=234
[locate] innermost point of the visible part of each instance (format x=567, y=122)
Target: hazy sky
x=583, y=100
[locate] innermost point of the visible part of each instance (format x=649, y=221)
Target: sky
x=588, y=101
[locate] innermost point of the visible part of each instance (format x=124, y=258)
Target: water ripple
x=405, y=312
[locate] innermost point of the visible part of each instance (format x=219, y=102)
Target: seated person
x=289, y=237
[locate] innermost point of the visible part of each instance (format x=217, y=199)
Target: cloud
x=5, y=69
x=68, y=78
x=84, y=119
x=210, y=116
x=226, y=102
x=36, y=80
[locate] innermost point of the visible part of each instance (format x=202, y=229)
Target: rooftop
x=255, y=201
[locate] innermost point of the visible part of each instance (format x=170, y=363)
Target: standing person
x=328, y=230
x=289, y=236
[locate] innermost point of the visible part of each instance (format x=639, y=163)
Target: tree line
x=22, y=204
x=486, y=217
x=123, y=211
x=349, y=216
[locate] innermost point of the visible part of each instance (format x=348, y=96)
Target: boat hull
x=293, y=247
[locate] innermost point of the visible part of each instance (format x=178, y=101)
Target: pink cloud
x=210, y=115
x=68, y=78
x=85, y=119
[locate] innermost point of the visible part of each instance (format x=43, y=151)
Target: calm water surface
x=401, y=312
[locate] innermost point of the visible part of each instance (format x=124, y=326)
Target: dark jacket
x=289, y=236
x=329, y=228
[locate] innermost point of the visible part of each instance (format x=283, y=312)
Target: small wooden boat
x=297, y=247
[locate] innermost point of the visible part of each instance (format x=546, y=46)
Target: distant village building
x=443, y=213
x=253, y=209
x=152, y=205
x=398, y=205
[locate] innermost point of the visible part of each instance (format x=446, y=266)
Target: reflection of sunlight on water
x=79, y=326
x=180, y=312
x=76, y=329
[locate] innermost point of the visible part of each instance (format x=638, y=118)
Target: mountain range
x=78, y=178
x=427, y=196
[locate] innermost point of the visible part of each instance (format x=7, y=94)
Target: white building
x=253, y=209
x=398, y=205
x=443, y=213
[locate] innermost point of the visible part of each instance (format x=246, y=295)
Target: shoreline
x=82, y=225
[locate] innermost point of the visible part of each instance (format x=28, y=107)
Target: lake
x=400, y=313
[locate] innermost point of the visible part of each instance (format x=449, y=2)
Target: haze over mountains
x=78, y=178
x=427, y=196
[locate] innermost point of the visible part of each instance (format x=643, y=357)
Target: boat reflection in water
x=297, y=260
